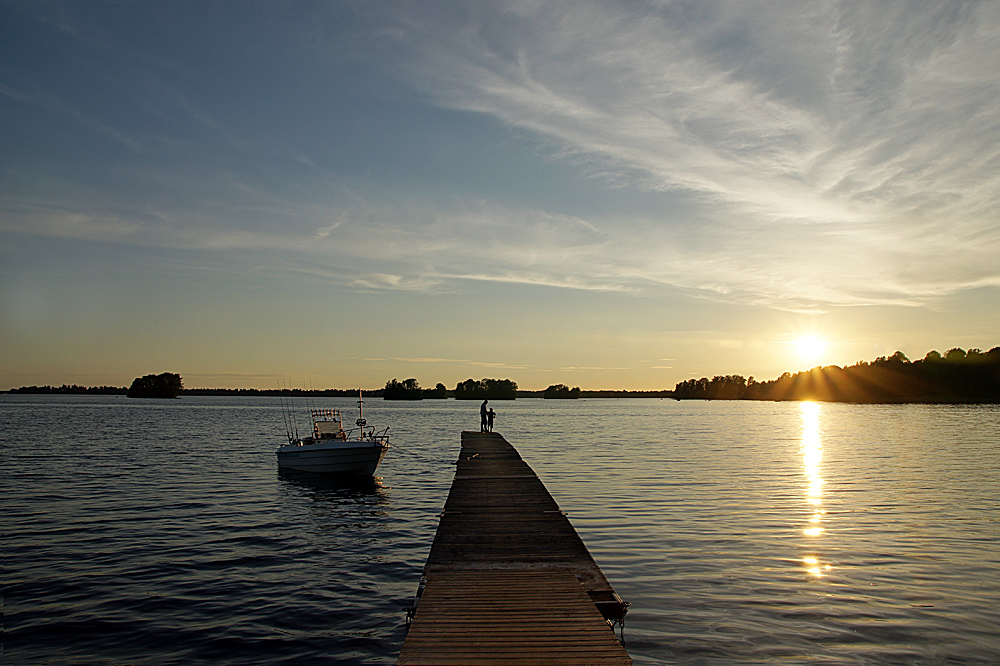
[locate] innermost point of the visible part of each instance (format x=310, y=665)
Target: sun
x=810, y=349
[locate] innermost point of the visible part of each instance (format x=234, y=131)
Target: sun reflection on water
x=812, y=458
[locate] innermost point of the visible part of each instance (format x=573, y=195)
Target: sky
x=599, y=194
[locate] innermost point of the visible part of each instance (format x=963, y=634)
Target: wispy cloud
x=823, y=153
x=838, y=146
x=49, y=102
x=452, y=361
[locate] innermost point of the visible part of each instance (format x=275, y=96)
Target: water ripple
x=149, y=532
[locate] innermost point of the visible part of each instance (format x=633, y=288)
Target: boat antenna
x=361, y=416
x=284, y=413
x=283, y=420
x=312, y=404
x=291, y=412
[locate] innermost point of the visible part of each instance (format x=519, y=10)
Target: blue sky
x=609, y=195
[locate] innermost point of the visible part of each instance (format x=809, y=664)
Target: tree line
x=164, y=385
x=71, y=389
x=470, y=389
x=958, y=376
x=440, y=391
x=170, y=385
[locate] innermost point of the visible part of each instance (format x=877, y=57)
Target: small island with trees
x=486, y=389
x=470, y=389
x=165, y=385
x=561, y=392
x=409, y=389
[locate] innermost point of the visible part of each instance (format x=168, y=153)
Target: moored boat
x=332, y=450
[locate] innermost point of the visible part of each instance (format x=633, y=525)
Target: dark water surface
x=149, y=532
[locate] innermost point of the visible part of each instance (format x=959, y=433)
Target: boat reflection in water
x=326, y=483
x=812, y=458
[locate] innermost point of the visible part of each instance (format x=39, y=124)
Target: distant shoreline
x=328, y=393
x=377, y=393
x=957, y=377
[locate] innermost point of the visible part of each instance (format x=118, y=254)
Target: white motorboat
x=332, y=450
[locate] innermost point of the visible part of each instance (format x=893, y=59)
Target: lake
x=151, y=532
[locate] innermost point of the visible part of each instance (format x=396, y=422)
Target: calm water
x=148, y=532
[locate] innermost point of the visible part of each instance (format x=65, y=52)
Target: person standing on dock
x=489, y=419
x=482, y=416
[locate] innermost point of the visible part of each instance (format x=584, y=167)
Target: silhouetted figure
x=489, y=419
x=483, y=417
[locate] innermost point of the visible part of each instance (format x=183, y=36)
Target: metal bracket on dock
x=621, y=622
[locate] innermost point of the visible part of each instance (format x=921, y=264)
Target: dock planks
x=508, y=580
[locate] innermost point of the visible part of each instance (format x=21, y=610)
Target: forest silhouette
x=956, y=377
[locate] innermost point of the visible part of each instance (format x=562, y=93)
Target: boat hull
x=350, y=458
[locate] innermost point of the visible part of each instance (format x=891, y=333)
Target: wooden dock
x=508, y=580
